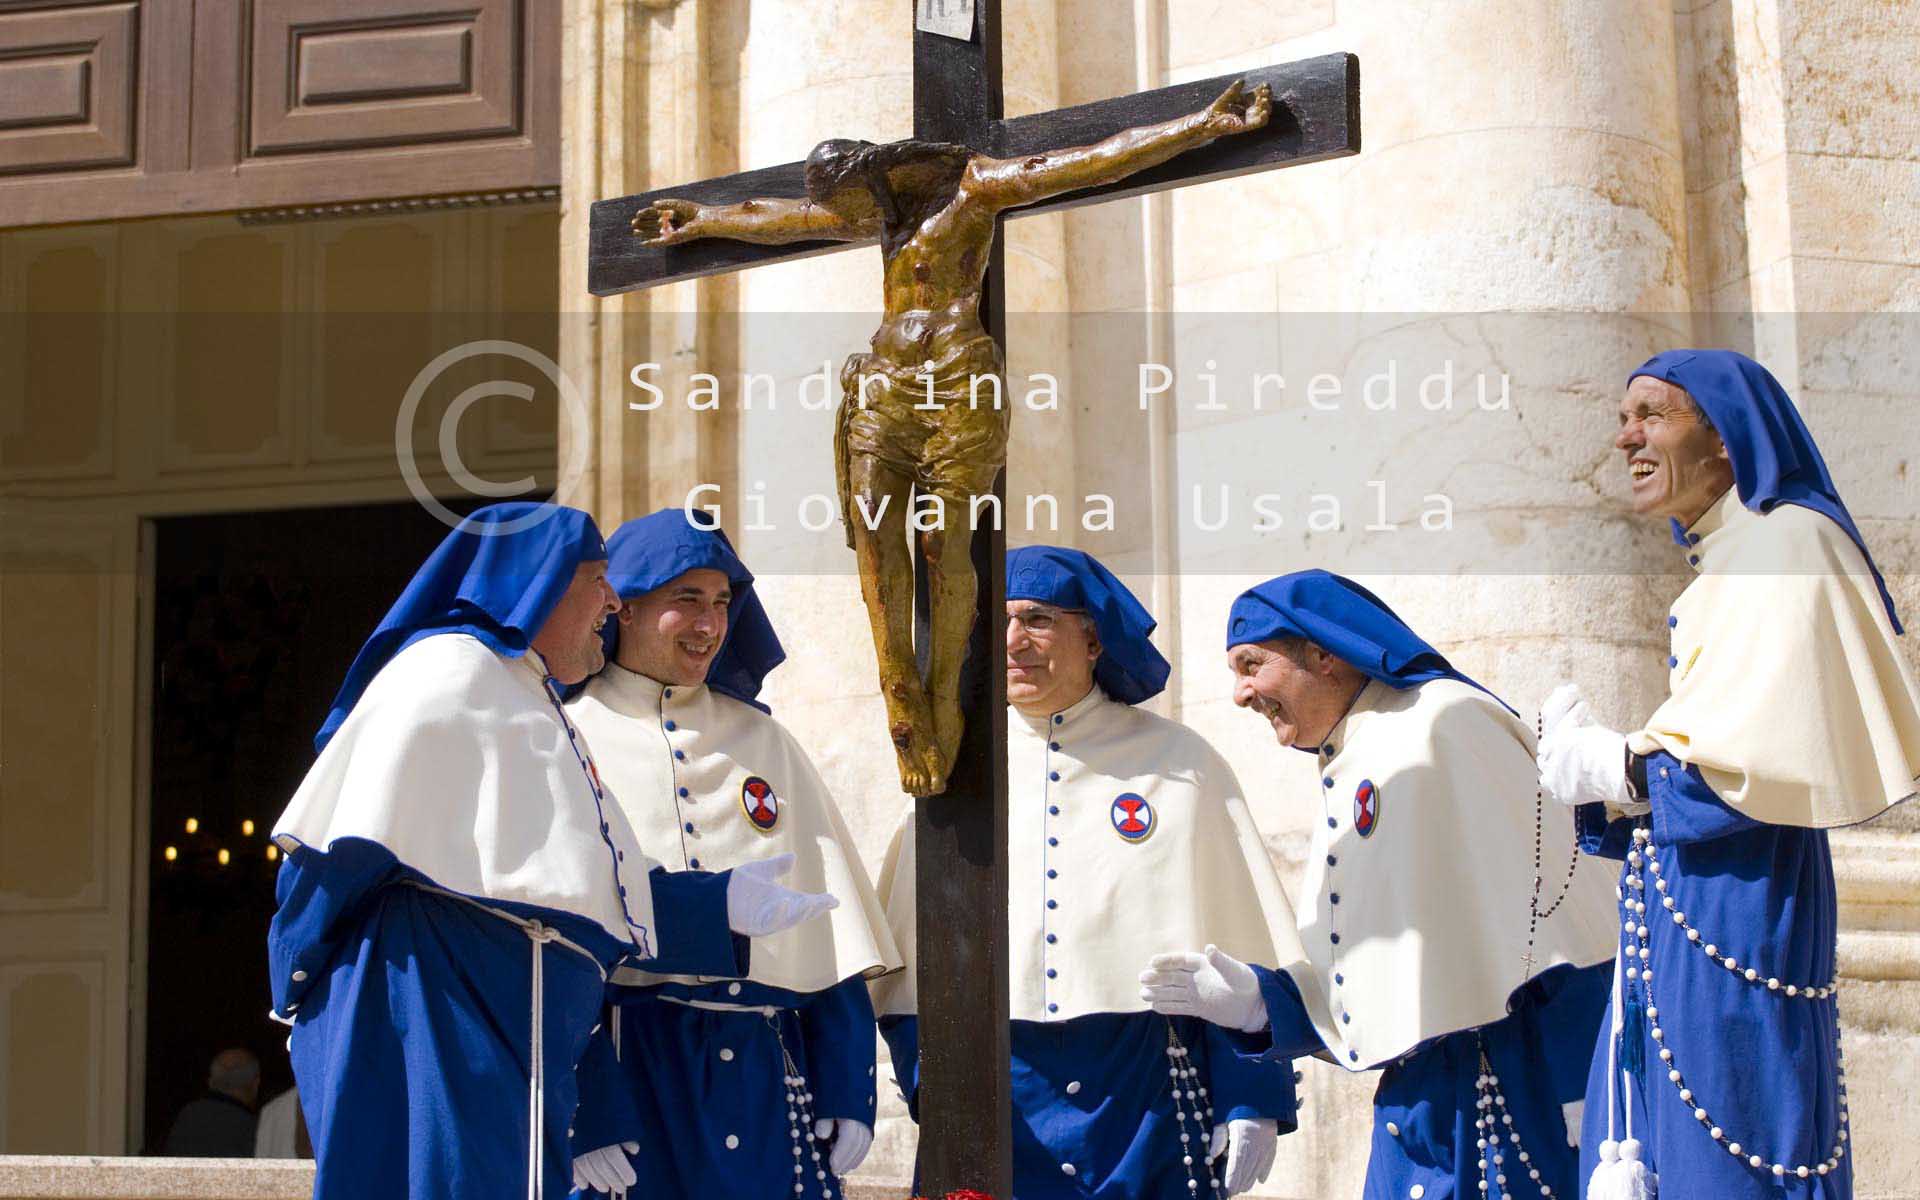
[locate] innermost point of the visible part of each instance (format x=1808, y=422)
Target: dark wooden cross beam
x=1316, y=116
x=965, y=1106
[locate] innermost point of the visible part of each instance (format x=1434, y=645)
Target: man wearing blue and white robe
x=754, y=1086
x=1790, y=712
x=456, y=884
x=1127, y=835
x=1426, y=955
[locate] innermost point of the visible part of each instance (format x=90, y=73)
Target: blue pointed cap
x=1775, y=460
x=1130, y=669
x=1347, y=621
x=496, y=577
x=650, y=552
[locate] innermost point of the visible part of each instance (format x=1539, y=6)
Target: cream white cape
x=1428, y=934
x=1788, y=690
x=456, y=760
x=751, y=793
x=1183, y=867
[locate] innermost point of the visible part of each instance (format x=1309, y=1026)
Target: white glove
x=1561, y=704
x=606, y=1169
x=1581, y=761
x=1250, y=1146
x=757, y=906
x=1213, y=986
x=851, y=1141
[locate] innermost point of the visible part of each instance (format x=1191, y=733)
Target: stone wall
x=1631, y=176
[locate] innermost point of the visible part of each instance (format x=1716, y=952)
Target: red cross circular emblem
x=1133, y=817
x=1366, y=808
x=759, y=803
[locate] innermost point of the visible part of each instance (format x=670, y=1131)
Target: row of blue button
x=584, y=757
x=1053, y=810
x=1326, y=785
x=680, y=756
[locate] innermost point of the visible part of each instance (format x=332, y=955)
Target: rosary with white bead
x=800, y=1121
x=1644, y=857
x=1191, y=1103
x=1492, y=1124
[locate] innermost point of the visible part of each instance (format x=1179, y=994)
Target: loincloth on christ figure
x=952, y=451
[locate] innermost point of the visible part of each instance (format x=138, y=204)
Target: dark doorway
x=256, y=617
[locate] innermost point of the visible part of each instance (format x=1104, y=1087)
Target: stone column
x=639, y=112
x=1519, y=157
x=796, y=74
x=1043, y=457
x=1527, y=158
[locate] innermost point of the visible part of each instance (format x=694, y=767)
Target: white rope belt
x=539, y=935
x=765, y=1010
x=799, y=1100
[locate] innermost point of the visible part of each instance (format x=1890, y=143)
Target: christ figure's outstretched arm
x=769, y=221
x=1012, y=182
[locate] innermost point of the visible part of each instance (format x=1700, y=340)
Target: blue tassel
x=1633, y=1046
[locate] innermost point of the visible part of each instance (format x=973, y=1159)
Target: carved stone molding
x=387, y=208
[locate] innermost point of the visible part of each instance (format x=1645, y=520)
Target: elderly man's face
x=570, y=640
x=1676, y=464
x=1050, y=657
x=1299, y=689
x=672, y=633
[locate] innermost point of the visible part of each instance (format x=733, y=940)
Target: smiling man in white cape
x=1451, y=941
x=761, y=1085
x=1791, y=711
x=1127, y=835
x=457, y=884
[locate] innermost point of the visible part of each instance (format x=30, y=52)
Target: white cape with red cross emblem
x=1141, y=846
x=709, y=783
x=1415, y=904
x=455, y=760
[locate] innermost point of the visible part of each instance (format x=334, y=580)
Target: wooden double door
x=150, y=107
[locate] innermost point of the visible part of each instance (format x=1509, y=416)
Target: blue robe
x=1424, y=1139
x=1763, y=894
x=703, y=1091
x=411, y=1012
x=1092, y=1094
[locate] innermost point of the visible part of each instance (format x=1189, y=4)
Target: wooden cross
x=965, y=1106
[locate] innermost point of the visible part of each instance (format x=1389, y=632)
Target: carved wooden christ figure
x=934, y=206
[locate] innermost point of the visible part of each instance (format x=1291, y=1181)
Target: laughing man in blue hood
x=1429, y=951
x=1790, y=711
x=1127, y=836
